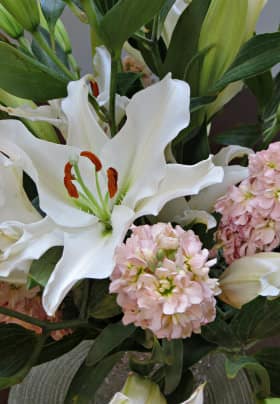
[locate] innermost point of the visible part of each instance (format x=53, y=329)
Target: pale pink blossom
x=250, y=221
x=27, y=301
x=162, y=281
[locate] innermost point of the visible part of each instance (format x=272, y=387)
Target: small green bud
x=62, y=37
x=25, y=12
x=9, y=25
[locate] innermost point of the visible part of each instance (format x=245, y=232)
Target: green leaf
x=26, y=78
x=42, y=268
x=235, y=363
x=219, y=332
x=184, y=389
x=245, y=135
x=89, y=378
x=197, y=148
x=184, y=42
x=270, y=359
x=128, y=83
x=195, y=348
x=52, y=10
x=257, y=56
x=262, y=87
x=109, y=339
x=163, y=14
x=106, y=308
x=257, y=320
x=173, y=351
x=125, y=18
x=17, y=348
x=199, y=102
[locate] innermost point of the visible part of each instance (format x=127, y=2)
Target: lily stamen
x=112, y=176
x=93, y=158
x=94, y=88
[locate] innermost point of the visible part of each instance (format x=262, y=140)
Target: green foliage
x=125, y=18
x=26, y=78
x=270, y=359
x=42, y=268
x=128, y=83
x=18, y=353
x=109, y=339
x=245, y=135
x=173, y=351
x=102, y=305
x=52, y=10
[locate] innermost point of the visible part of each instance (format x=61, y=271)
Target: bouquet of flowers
x=125, y=219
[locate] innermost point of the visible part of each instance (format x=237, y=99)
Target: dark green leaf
x=199, y=102
x=257, y=56
x=141, y=366
x=184, y=42
x=262, y=87
x=106, y=308
x=128, y=83
x=270, y=359
x=195, y=348
x=125, y=18
x=109, y=339
x=257, y=320
x=17, y=346
x=219, y=332
x=173, y=351
x=26, y=78
x=197, y=148
x=247, y=135
x=235, y=363
x=54, y=349
x=88, y=379
x=52, y=10
x=42, y=268
x=184, y=389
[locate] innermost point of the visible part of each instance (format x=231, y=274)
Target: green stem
x=101, y=112
x=113, y=89
x=45, y=325
x=25, y=44
x=44, y=45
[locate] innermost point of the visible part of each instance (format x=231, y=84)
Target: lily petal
x=34, y=240
x=83, y=128
x=181, y=180
x=87, y=254
x=102, y=73
x=167, y=113
x=44, y=162
x=229, y=153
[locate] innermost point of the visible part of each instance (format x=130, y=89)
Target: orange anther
x=93, y=158
x=94, y=88
x=71, y=188
x=68, y=171
x=112, y=175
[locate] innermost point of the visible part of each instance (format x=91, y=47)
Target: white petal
x=207, y=198
x=197, y=396
x=36, y=238
x=196, y=216
x=87, y=254
x=14, y=204
x=102, y=74
x=227, y=154
x=154, y=118
x=181, y=180
x=44, y=162
x=83, y=128
x=172, y=19
x=51, y=113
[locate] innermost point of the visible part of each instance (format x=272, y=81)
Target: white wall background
x=269, y=22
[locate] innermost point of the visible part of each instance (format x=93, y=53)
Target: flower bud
x=9, y=25
x=249, y=277
x=25, y=12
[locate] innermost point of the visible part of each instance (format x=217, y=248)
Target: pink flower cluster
x=22, y=300
x=161, y=278
x=250, y=212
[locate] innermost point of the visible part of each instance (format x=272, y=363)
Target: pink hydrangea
x=250, y=212
x=26, y=301
x=162, y=281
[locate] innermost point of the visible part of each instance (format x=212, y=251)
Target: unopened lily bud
x=9, y=25
x=62, y=37
x=249, y=277
x=25, y=12
x=139, y=390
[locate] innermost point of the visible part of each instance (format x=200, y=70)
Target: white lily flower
x=249, y=277
x=100, y=88
x=24, y=235
x=96, y=197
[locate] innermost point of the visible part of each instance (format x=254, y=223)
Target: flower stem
x=45, y=46
x=45, y=325
x=113, y=89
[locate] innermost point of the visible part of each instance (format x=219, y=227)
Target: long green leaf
x=110, y=338
x=125, y=18
x=41, y=269
x=26, y=78
x=245, y=135
x=174, y=353
x=258, y=55
x=270, y=359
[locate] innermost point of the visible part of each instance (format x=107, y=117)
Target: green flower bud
x=62, y=37
x=25, y=12
x=9, y=25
